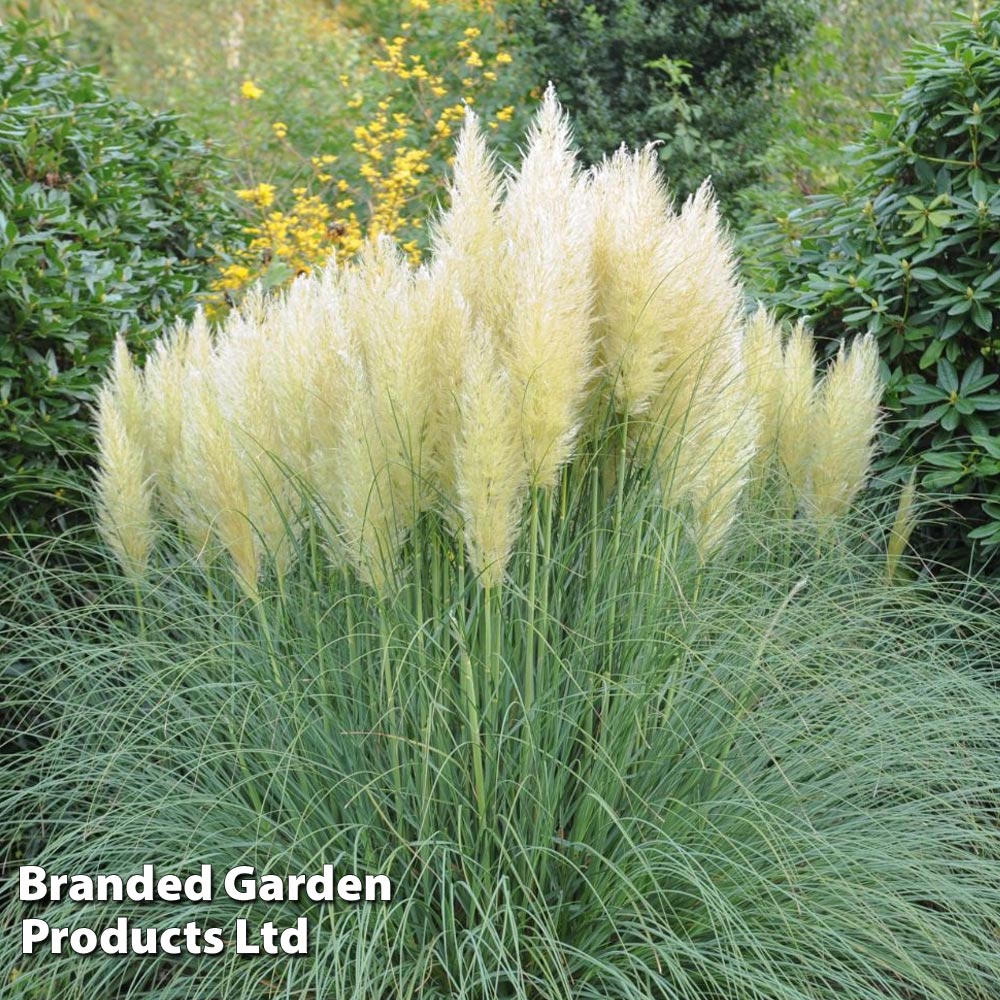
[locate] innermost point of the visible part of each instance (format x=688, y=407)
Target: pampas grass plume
x=729, y=444
x=211, y=489
x=390, y=405
x=124, y=489
x=701, y=333
x=902, y=526
x=847, y=417
x=796, y=425
x=547, y=292
x=491, y=472
x=631, y=263
x=467, y=239
x=762, y=354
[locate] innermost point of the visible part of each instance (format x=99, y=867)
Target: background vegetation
x=907, y=252
x=695, y=77
x=826, y=94
x=109, y=217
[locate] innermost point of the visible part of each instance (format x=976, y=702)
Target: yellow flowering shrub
x=381, y=168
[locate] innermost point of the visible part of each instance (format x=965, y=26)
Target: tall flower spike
x=127, y=387
x=902, y=526
x=211, y=489
x=491, y=474
x=444, y=316
x=546, y=293
x=163, y=381
x=702, y=338
x=762, y=355
x=631, y=280
x=847, y=418
x=727, y=443
x=796, y=413
x=316, y=381
x=391, y=408
x=244, y=367
x=466, y=240
x=124, y=489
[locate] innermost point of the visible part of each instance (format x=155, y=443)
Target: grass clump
x=772, y=777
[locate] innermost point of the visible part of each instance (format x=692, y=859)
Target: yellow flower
x=504, y=58
x=234, y=277
x=262, y=195
x=250, y=90
x=280, y=129
x=505, y=114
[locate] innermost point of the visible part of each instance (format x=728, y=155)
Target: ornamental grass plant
x=773, y=775
x=477, y=577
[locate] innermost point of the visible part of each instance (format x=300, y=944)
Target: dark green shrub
x=108, y=219
x=694, y=75
x=909, y=253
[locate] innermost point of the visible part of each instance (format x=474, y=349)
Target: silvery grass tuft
x=771, y=776
x=536, y=579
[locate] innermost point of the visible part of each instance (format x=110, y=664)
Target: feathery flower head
x=491, y=473
x=631, y=261
x=466, y=239
x=124, y=490
x=796, y=426
x=847, y=418
x=763, y=358
x=546, y=293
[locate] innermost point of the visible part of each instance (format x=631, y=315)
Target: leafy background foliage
x=825, y=95
x=909, y=254
x=109, y=217
x=695, y=76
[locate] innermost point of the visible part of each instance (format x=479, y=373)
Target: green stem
x=394, y=727
x=265, y=627
x=529, y=659
x=595, y=507
x=139, y=607
x=541, y=656
x=468, y=682
x=352, y=635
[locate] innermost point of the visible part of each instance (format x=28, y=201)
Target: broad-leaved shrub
x=909, y=254
x=108, y=219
